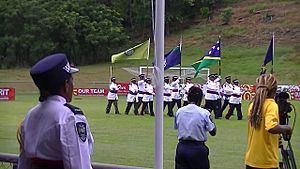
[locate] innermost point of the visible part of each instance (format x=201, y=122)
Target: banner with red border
x=7, y=94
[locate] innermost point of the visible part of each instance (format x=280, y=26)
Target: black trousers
x=225, y=104
x=128, y=107
x=170, y=110
x=145, y=106
x=176, y=101
x=110, y=102
x=211, y=105
x=191, y=155
x=139, y=103
x=231, y=109
x=219, y=106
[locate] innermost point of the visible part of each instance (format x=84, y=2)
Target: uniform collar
x=57, y=98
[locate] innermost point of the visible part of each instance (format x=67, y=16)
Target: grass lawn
x=129, y=140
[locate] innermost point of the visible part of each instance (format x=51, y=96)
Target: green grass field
x=129, y=140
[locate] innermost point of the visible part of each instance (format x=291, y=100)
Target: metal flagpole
x=180, y=47
x=273, y=53
x=148, y=57
x=159, y=75
x=220, y=56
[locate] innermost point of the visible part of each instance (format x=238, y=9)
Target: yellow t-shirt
x=262, y=148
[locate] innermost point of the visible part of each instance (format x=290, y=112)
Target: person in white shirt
x=112, y=96
x=132, y=95
x=141, y=89
x=186, y=88
x=235, y=101
x=148, y=97
x=54, y=133
x=167, y=96
x=212, y=94
x=227, y=92
x=176, y=98
x=193, y=123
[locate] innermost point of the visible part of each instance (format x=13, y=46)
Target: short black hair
x=195, y=94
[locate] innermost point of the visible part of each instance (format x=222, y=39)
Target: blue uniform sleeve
x=23, y=161
x=209, y=123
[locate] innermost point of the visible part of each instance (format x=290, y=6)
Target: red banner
x=123, y=88
x=90, y=92
x=7, y=93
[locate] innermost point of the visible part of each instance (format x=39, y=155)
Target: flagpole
x=220, y=56
x=180, y=48
x=159, y=75
x=273, y=52
x=148, y=57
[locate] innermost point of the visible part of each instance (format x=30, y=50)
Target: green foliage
x=256, y=7
x=85, y=31
x=204, y=12
x=226, y=15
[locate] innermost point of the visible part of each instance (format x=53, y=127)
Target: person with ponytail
x=263, y=126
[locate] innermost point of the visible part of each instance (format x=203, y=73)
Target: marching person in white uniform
x=227, y=92
x=141, y=90
x=235, y=101
x=112, y=96
x=188, y=85
x=167, y=96
x=176, y=98
x=54, y=134
x=148, y=97
x=132, y=95
x=212, y=94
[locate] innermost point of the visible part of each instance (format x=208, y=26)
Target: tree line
x=88, y=31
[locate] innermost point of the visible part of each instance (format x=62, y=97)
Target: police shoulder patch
x=81, y=130
x=74, y=109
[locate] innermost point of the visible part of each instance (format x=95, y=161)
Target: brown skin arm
x=213, y=132
x=281, y=129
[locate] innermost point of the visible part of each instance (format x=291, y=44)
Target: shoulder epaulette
x=74, y=109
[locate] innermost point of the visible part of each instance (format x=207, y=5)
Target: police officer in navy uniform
x=54, y=134
x=227, y=90
x=192, y=123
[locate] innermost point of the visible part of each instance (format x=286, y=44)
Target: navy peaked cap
x=235, y=81
x=175, y=78
x=51, y=71
x=188, y=78
x=227, y=77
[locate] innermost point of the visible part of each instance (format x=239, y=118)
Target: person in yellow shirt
x=263, y=126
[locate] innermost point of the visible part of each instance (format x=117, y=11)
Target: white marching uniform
x=167, y=93
x=149, y=92
x=111, y=95
x=175, y=90
x=227, y=90
x=132, y=94
x=141, y=88
x=236, y=98
x=56, y=131
x=212, y=90
x=186, y=90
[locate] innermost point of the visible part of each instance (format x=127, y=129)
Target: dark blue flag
x=172, y=58
x=269, y=56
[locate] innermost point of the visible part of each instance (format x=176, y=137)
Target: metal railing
x=11, y=161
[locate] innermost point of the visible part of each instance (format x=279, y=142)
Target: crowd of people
x=141, y=94
x=56, y=134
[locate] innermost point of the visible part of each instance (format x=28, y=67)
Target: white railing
x=12, y=159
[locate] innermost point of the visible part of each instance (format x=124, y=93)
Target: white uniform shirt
x=141, y=86
x=167, y=93
x=175, y=90
x=52, y=131
x=227, y=89
x=193, y=122
x=110, y=95
x=132, y=94
x=236, y=98
x=149, y=92
x=186, y=90
x=212, y=90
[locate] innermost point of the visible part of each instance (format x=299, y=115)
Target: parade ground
x=129, y=139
